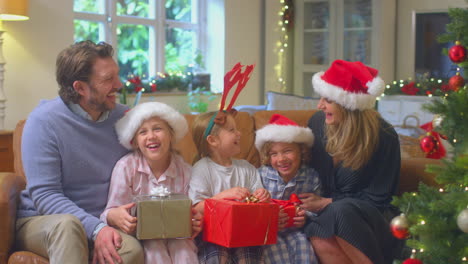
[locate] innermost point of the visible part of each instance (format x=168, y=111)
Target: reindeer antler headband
x=235, y=75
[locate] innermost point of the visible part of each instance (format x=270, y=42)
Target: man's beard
x=96, y=104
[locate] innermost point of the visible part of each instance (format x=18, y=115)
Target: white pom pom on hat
x=283, y=129
x=352, y=85
x=127, y=126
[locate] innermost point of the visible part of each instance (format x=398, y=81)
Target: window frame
x=157, y=25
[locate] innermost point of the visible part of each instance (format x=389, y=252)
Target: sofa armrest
x=10, y=187
x=413, y=171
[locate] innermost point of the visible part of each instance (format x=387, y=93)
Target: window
x=429, y=59
x=150, y=36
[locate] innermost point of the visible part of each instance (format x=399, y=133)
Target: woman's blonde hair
x=265, y=155
x=354, y=139
x=198, y=134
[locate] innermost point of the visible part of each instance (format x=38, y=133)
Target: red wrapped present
x=290, y=207
x=237, y=224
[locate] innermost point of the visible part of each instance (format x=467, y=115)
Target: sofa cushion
x=281, y=101
x=413, y=171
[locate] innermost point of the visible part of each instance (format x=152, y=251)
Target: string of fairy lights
x=282, y=44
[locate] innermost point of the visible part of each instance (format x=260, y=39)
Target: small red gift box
x=289, y=207
x=236, y=224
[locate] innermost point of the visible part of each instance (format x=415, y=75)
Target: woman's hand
x=312, y=202
x=299, y=219
x=197, y=223
x=262, y=195
x=282, y=219
x=120, y=218
x=236, y=193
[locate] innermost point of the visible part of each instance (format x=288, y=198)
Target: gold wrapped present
x=163, y=216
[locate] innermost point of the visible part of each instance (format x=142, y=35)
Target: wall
x=242, y=43
x=30, y=48
x=405, y=40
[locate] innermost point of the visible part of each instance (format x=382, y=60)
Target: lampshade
x=14, y=10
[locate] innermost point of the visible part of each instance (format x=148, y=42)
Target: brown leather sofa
x=412, y=172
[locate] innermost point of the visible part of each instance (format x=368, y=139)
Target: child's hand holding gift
x=236, y=193
x=299, y=219
x=283, y=218
x=197, y=223
x=262, y=195
x=120, y=218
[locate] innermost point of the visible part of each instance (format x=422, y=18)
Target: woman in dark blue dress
x=357, y=155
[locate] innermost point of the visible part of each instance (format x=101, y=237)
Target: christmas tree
x=437, y=217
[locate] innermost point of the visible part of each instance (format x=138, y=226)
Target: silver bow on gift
x=160, y=191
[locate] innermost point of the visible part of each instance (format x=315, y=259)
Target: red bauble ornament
x=456, y=82
x=429, y=143
x=457, y=53
x=399, y=227
x=412, y=261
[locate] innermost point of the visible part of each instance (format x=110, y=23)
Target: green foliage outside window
x=137, y=8
x=133, y=48
x=86, y=30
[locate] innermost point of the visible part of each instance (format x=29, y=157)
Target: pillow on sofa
x=280, y=101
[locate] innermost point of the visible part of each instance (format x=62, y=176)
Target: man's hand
x=120, y=218
x=108, y=240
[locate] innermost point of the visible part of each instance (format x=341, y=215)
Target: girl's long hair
x=198, y=134
x=355, y=138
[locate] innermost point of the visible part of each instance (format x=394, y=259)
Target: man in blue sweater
x=69, y=148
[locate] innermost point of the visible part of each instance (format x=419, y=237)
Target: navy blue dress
x=361, y=197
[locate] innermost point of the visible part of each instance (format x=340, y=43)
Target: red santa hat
x=128, y=125
x=282, y=129
x=352, y=85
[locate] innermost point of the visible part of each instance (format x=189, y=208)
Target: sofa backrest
x=246, y=123
x=18, y=164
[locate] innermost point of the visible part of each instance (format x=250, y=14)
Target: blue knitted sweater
x=68, y=162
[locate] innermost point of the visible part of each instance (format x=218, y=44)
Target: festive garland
x=162, y=82
x=422, y=85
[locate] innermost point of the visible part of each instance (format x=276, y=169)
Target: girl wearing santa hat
x=284, y=148
x=151, y=130
x=357, y=156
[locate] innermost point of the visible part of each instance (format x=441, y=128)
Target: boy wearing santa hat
x=283, y=147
